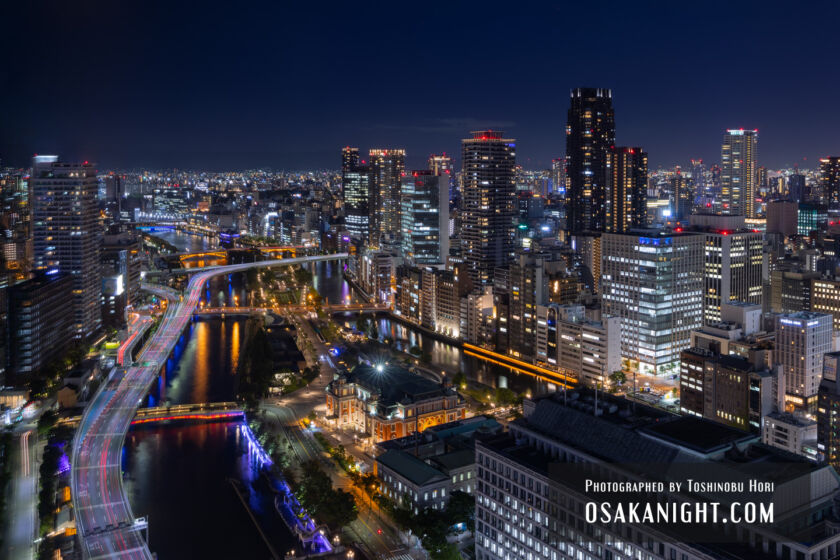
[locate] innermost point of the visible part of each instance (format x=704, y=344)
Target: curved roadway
x=104, y=521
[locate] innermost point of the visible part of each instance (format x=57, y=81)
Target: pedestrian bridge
x=200, y=412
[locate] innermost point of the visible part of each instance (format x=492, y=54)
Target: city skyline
x=215, y=90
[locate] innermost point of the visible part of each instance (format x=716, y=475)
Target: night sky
x=232, y=85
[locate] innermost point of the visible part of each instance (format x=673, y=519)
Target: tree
x=459, y=379
x=340, y=510
x=618, y=377
x=415, y=351
x=362, y=323
x=505, y=396
x=461, y=509
x=336, y=508
x=302, y=276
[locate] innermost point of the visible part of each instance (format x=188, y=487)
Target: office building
x=440, y=164
x=590, y=133
x=782, y=217
x=791, y=432
x=114, y=193
x=825, y=298
x=811, y=218
x=698, y=177
x=790, y=289
x=587, y=350
x=734, y=263
x=830, y=181
x=626, y=191
x=801, y=341
x=828, y=411
x=558, y=176
x=356, y=187
x=528, y=289
x=15, y=229
x=683, y=193
x=489, y=204
x=41, y=326
x=66, y=233
x=425, y=217
x=797, y=189
x=349, y=159
x=727, y=389
x=738, y=164
x=653, y=281
x=412, y=482
x=386, y=170
x=531, y=493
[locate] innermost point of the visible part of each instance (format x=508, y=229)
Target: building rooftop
x=410, y=467
x=394, y=384
x=454, y=459
x=791, y=419
x=697, y=434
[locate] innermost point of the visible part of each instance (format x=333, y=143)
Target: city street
x=370, y=529
x=21, y=514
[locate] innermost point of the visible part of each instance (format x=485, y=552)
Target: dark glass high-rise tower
x=489, y=203
x=590, y=133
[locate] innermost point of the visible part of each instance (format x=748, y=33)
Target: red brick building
x=388, y=402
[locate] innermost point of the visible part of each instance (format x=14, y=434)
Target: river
x=180, y=476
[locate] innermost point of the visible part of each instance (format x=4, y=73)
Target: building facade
x=825, y=298
x=734, y=263
x=830, y=181
x=801, y=341
x=387, y=402
x=738, y=164
x=625, y=204
x=425, y=217
x=386, y=170
x=67, y=234
x=489, y=203
x=653, y=282
x=40, y=324
x=356, y=187
x=590, y=133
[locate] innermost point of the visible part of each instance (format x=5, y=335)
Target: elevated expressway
x=104, y=521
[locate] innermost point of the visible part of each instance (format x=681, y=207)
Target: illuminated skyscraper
x=489, y=203
x=66, y=232
x=349, y=158
x=356, y=187
x=558, y=175
x=698, y=176
x=355, y=192
x=683, y=191
x=738, y=161
x=425, y=217
x=830, y=180
x=442, y=165
x=626, y=194
x=733, y=263
x=590, y=133
x=386, y=170
x=802, y=339
x=653, y=281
